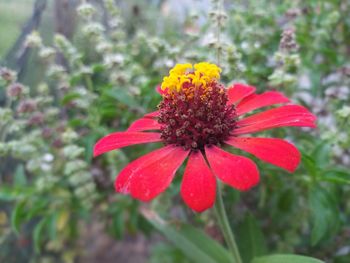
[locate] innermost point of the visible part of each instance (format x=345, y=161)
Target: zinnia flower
x=196, y=117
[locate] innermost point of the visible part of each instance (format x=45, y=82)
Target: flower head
x=194, y=111
x=196, y=117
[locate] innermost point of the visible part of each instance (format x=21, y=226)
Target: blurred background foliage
x=75, y=71
x=11, y=25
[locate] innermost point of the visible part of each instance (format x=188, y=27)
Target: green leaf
x=286, y=259
x=206, y=243
x=77, y=122
x=38, y=207
x=309, y=164
x=118, y=226
x=52, y=226
x=98, y=67
x=324, y=213
x=342, y=259
x=167, y=253
x=37, y=233
x=89, y=142
x=20, y=178
x=17, y=216
x=195, y=244
x=70, y=97
x=336, y=176
x=108, y=112
x=75, y=79
x=8, y=194
x=286, y=200
x=251, y=239
x=321, y=154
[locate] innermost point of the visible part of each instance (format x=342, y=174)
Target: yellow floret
x=180, y=69
x=202, y=74
x=209, y=70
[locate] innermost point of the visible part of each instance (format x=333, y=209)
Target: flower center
x=194, y=110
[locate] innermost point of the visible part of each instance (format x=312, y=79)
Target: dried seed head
x=27, y=106
x=288, y=42
x=15, y=90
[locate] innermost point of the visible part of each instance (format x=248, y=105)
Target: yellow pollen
x=200, y=76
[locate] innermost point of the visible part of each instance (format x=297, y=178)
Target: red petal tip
x=198, y=187
x=237, y=171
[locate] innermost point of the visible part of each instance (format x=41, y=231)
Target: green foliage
x=251, y=240
x=165, y=253
x=325, y=213
x=195, y=244
x=286, y=259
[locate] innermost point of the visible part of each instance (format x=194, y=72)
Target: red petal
x=275, y=151
x=160, y=91
x=237, y=171
x=118, y=140
x=144, y=124
x=198, y=186
x=288, y=115
x=152, y=114
x=238, y=92
x=255, y=101
x=151, y=174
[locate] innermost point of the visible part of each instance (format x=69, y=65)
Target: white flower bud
x=93, y=30
x=72, y=151
x=48, y=157
x=5, y=115
x=104, y=47
x=56, y=71
x=47, y=53
x=344, y=112
x=69, y=136
x=33, y=40
x=74, y=166
x=86, y=10
x=113, y=60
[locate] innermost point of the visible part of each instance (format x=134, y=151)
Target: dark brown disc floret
x=197, y=118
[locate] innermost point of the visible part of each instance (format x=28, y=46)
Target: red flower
x=196, y=117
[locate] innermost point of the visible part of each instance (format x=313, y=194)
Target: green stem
x=225, y=226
